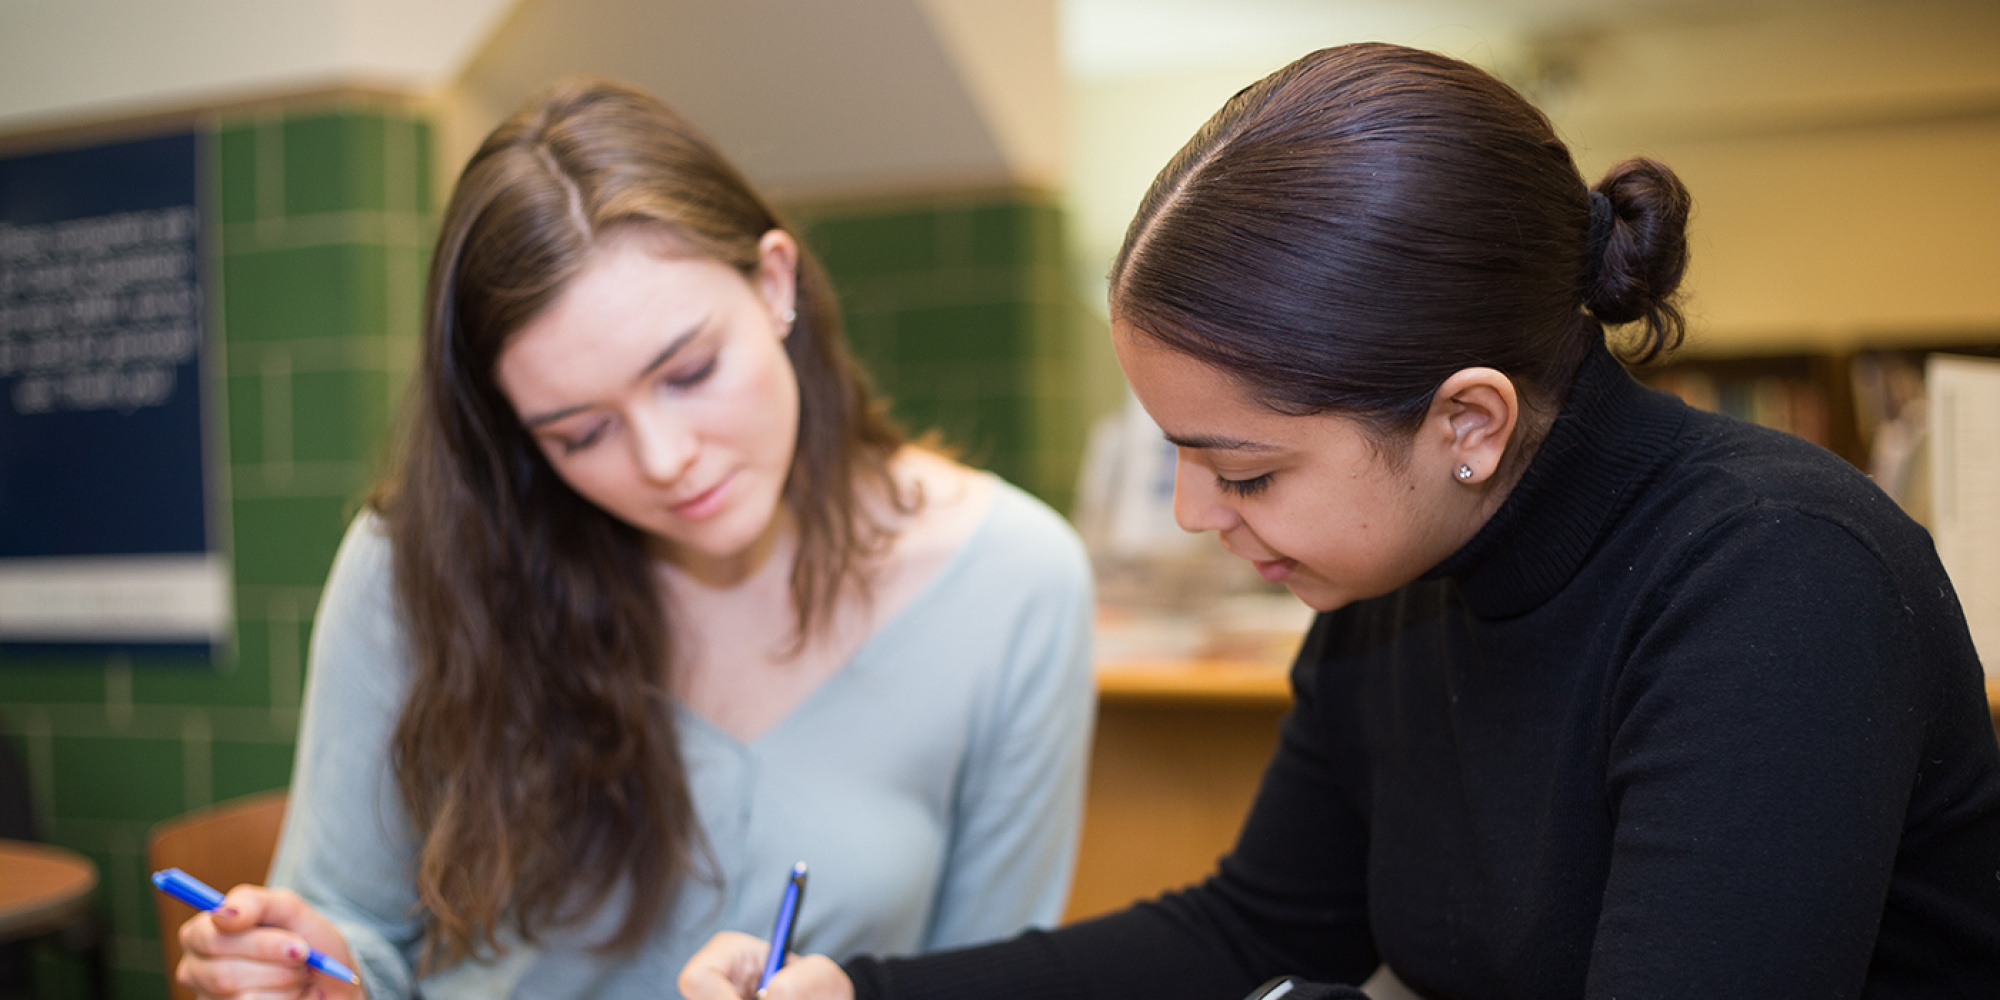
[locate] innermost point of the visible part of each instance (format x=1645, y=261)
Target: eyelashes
x=571, y=447
x=695, y=377
x=1244, y=487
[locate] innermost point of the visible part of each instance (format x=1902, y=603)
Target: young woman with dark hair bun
x=657, y=604
x=1607, y=697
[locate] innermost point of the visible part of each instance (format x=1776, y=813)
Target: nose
x=1198, y=503
x=662, y=446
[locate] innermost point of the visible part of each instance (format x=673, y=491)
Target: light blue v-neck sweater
x=934, y=784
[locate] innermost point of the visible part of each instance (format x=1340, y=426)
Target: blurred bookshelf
x=1842, y=400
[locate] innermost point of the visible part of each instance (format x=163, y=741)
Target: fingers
x=238, y=979
x=812, y=977
x=261, y=961
x=248, y=906
x=203, y=937
x=726, y=968
x=255, y=944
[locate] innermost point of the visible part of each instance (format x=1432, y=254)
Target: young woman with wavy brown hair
x=1607, y=697
x=656, y=604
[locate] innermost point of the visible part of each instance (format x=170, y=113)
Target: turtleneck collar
x=1609, y=437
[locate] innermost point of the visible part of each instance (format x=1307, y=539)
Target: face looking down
x=658, y=387
x=1313, y=501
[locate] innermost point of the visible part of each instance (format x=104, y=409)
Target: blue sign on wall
x=105, y=527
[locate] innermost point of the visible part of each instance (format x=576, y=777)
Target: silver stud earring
x=790, y=316
x=1464, y=473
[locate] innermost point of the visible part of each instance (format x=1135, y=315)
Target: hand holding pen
x=736, y=966
x=260, y=941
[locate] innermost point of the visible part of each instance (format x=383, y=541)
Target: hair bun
x=1645, y=255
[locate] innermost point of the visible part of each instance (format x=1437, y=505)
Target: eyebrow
x=666, y=354
x=1207, y=442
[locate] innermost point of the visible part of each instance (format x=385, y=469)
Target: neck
x=770, y=554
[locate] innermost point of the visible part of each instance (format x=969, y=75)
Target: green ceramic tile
x=406, y=294
x=969, y=381
x=861, y=246
x=139, y=984
x=425, y=181
x=978, y=333
x=242, y=768
x=112, y=778
x=1002, y=234
x=335, y=290
x=244, y=402
x=334, y=163
x=871, y=337
x=917, y=414
x=123, y=893
x=1004, y=422
x=24, y=680
x=287, y=540
x=205, y=684
x=236, y=172
x=59, y=974
x=338, y=416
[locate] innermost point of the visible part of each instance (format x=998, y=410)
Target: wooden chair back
x=225, y=845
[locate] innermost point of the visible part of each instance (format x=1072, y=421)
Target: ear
x=1472, y=417
x=778, y=277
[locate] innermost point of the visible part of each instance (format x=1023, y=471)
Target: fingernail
x=228, y=911
x=295, y=953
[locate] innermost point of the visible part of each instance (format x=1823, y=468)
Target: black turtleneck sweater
x=1696, y=714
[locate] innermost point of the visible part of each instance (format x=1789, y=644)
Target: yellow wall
x=1843, y=158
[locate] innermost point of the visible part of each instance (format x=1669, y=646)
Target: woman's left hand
x=729, y=965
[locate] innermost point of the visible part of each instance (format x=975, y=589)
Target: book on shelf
x=1790, y=403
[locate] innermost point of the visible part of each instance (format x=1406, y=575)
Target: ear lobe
x=778, y=275
x=1480, y=407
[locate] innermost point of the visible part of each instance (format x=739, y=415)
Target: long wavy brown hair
x=537, y=752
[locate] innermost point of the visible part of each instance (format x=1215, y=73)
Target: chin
x=1318, y=596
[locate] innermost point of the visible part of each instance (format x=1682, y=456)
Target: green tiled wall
x=326, y=216
x=959, y=307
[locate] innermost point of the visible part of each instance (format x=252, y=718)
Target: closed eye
x=1244, y=487
x=695, y=377
x=571, y=446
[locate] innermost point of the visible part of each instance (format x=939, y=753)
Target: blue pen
x=196, y=893
x=781, y=934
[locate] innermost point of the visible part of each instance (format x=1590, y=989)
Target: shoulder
x=1755, y=547
x=362, y=582
x=988, y=522
x=365, y=549
x=358, y=630
x=1736, y=486
x=1024, y=536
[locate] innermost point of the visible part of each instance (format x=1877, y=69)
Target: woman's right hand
x=254, y=946
x=729, y=965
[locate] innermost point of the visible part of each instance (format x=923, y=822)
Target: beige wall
x=1844, y=167
x=1843, y=158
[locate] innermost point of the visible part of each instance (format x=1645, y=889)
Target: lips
x=1275, y=570
x=702, y=504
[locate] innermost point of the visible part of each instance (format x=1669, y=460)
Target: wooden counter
x=1993, y=701
x=1197, y=682
x=1178, y=752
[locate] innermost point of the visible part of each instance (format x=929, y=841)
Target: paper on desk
x=1965, y=490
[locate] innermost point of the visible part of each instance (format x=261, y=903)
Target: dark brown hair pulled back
x=536, y=751
x=1349, y=231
